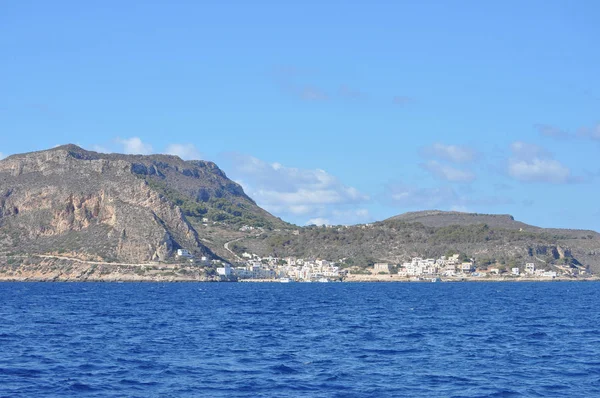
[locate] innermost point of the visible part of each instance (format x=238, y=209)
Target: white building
x=466, y=267
x=224, y=271
x=530, y=268
x=515, y=271
x=183, y=253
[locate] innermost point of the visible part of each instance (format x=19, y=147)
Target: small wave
x=20, y=372
x=283, y=369
x=505, y=394
x=81, y=387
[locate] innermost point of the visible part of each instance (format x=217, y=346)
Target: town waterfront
x=300, y=339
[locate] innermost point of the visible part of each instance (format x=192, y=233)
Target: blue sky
x=326, y=112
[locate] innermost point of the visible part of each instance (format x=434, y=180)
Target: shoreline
x=51, y=269
x=4, y=279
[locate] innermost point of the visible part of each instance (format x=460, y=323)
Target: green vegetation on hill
x=396, y=240
x=212, y=208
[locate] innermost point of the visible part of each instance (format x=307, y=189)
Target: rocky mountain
x=116, y=207
x=66, y=205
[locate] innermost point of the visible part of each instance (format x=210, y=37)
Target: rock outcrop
x=111, y=206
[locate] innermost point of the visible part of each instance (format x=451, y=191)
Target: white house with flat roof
x=530, y=268
x=224, y=271
x=183, y=253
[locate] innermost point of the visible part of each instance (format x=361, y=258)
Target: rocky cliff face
x=117, y=207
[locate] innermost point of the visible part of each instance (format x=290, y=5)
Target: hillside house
x=184, y=253
x=530, y=268
x=381, y=267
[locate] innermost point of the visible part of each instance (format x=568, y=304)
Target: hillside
x=118, y=207
x=437, y=218
x=489, y=239
x=69, y=203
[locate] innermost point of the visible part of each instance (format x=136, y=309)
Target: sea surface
x=300, y=339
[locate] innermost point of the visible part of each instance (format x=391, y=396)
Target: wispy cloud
x=312, y=93
x=134, y=146
x=99, y=148
x=2, y=156
x=452, y=153
x=292, y=191
x=539, y=170
x=590, y=132
x=449, y=155
x=184, y=151
x=318, y=221
x=343, y=217
x=552, y=131
x=531, y=163
x=448, y=173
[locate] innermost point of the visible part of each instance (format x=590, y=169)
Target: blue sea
x=300, y=340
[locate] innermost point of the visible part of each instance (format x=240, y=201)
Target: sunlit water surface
x=295, y=339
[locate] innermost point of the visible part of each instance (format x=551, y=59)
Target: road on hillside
x=226, y=245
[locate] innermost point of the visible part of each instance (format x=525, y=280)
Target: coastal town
x=452, y=267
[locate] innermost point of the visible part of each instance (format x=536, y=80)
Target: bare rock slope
x=114, y=207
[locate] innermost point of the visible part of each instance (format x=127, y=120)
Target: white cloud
x=99, y=148
x=540, y=170
x=305, y=196
x=293, y=191
x=452, y=153
x=524, y=150
x=342, y=217
x=531, y=163
x=184, y=151
x=448, y=173
x=300, y=209
x=318, y=221
x=134, y=146
x=2, y=156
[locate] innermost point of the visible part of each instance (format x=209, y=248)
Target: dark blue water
x=294, y=340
